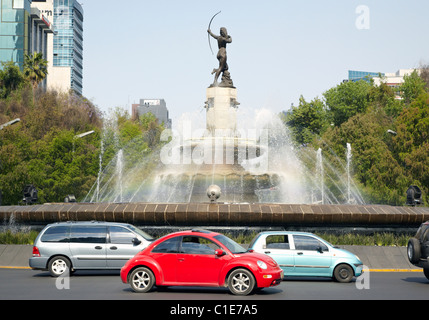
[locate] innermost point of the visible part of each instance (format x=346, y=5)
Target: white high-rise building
x=65, y=46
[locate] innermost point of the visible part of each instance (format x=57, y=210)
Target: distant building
x=393, y=80
x=40, y=28
x=65, y=47
x=157, y=107
x=23, y=30
x=363, y=75
x=51, y=27
x=14, y=31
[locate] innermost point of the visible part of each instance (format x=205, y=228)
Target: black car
x=418, y=248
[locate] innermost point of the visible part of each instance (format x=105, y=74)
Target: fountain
x=250, y=157
x=320, y=176
x=349, y=158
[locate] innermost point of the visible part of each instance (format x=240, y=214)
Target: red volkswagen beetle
x=200, y=258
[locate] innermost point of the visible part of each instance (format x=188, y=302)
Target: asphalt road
x=25, y=284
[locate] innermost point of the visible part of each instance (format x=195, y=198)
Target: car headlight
x=262, y=264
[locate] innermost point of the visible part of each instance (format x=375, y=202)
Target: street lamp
x=78, y=136
x=392, y=132
x=9, y=123
x=83, y=134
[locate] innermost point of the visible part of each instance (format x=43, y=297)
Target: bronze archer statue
x=223, y=39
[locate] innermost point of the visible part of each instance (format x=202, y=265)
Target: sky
x=280, y=50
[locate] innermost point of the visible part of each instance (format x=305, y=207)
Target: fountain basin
x=267, y=215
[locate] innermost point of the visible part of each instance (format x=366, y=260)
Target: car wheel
x=241, y=282
x=58, y=266
x=142, y=279
x=413, y=250
x=426, y=273
x=343, y=273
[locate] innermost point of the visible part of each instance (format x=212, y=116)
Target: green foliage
x=11, y=78
x=412, y=87
x=346, y=100
x=306, y=120
x=137, y=138
x=376, y=239
x=43, y=151
x=411, y=144
x=361, y=113
x=43, y=148
x=11, y=237
x=35, y=68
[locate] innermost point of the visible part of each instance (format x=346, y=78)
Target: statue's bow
x=210, y=45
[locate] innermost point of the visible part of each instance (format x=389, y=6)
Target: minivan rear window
x=56, y=234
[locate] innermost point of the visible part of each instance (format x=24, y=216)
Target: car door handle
x=113, y=248
x=98, y=248
x=300, y=253
x=181, y=259
x=267, y=252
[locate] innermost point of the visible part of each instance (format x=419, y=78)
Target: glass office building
x=363, y=75
x=68, y=41
x=15, y=24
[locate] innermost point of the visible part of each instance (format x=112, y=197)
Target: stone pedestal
x=221, y=108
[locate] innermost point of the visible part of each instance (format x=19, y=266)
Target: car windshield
x=141, y=232
x=230, y=244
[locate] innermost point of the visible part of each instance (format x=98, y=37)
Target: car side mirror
x=136, y=241
x=319, y=249
x=219, y=253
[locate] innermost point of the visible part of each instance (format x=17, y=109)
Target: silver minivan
x=76, y=245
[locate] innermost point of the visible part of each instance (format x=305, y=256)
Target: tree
x=42, y=149
x=361, y=114
x=411, y=144
x=424, y=74
x=11, y=78
x=346, y=100
x=383, y=97
x=412, y=87
x=35, y=69
x=375, y=168
x=306, y=120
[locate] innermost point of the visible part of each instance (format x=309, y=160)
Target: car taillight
x=36, y=252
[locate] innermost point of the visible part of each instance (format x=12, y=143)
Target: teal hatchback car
x=304, y=254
